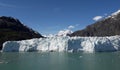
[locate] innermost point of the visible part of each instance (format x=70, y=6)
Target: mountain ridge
x=12, y=29
x=109, y=26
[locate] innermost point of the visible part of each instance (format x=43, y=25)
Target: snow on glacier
x=68, y=44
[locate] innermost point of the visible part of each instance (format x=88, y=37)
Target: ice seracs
x=64, y=44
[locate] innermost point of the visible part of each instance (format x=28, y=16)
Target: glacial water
x=60, y=61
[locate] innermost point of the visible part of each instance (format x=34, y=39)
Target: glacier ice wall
x=60, y=44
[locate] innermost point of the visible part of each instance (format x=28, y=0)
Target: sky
x=52, y=16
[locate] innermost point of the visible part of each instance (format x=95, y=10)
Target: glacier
x=64, y=44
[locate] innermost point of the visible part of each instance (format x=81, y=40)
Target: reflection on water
x=60, y=61
x=3, y=62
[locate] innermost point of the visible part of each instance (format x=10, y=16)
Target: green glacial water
x=60, y=61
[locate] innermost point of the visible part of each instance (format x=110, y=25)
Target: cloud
x=96, y=18
x=6, y=5
x=71, y=27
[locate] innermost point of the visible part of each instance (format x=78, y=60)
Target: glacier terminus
x=64, y=44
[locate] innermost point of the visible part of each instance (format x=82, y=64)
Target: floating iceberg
x=64, y=44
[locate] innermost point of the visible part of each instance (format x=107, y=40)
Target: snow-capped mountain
x=108, y=26
x=61, y=33
x=64, y=32
x=116, y=13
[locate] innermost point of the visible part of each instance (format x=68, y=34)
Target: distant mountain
x=13, y=29
x=109, y=26
x=64, y=32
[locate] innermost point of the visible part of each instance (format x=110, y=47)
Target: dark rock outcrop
x=109, y=26
x=13, y=29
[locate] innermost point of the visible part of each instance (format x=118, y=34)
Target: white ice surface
x=67, y=44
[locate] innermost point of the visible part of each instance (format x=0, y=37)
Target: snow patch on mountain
x=115, y=13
